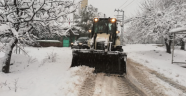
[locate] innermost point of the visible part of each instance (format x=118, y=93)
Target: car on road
x=80, y=43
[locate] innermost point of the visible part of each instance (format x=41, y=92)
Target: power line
x=128, y=4
x=123, y=4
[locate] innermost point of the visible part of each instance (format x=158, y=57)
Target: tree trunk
x=168, y=45
x=8, y=54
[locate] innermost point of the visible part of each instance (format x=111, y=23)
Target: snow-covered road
x=108, y=85
x=46, y=73
x=151, y=82
x=155, y=58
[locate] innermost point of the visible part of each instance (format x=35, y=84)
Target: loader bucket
x=112, y=63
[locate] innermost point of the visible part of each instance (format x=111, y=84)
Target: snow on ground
x=45, y=72
x=157, y=59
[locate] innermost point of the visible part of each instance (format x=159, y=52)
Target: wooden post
x=173, y=49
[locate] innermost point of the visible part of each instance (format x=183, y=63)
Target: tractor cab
x=104, y=33
x=104, y=25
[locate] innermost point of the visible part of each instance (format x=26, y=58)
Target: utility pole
x=121, y=19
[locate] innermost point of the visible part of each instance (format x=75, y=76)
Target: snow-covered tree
x=158, y=17
x=85, y=17
x=22, y=16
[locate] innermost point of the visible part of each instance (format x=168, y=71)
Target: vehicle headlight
x=95, y=19
x=113, y=20
x=72, y=43
x=80, y=43
x=117, y=32
x=90, y=31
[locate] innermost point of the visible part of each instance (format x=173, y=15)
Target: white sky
x=108, y=6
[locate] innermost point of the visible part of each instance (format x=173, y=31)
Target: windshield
x=103, y=26
x=111, y=27
x=82, y=39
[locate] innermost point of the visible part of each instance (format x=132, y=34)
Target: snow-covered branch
x=21, y=16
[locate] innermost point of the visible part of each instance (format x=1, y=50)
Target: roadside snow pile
x=75, y=79
x=45, y=72
x=151, y=82
x=157, y=59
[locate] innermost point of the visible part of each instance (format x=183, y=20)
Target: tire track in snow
x=151, y=82
x=88, y=87
x=168, y=80
x=126, y=88
x=112, y=85
x=98, y=85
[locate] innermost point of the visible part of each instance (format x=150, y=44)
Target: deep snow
x=47, y=72
x=156, y=58
x=39, y=75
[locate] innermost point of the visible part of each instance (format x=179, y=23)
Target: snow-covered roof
x=65, y=32
x=178, y=30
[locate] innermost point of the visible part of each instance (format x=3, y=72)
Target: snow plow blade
x=106, y=62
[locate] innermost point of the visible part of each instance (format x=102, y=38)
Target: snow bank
x=157, y=59
x=72, y=84
x=38, y=75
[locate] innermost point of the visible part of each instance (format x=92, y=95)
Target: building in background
x=81, y=6
x=84, y=3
